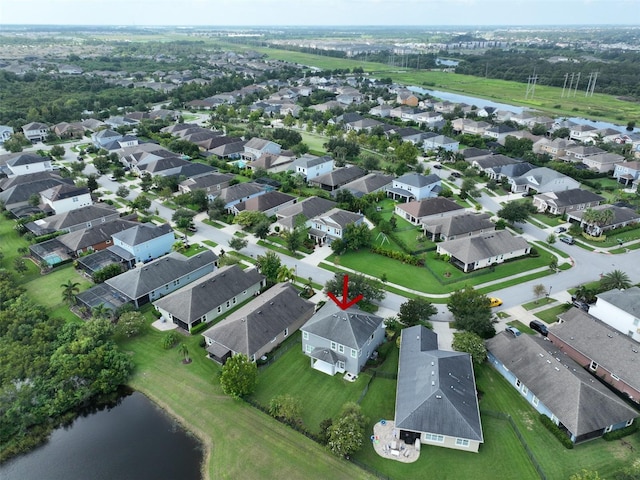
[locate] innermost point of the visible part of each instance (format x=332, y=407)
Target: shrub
x=623, y=432
x=555, y=430
x=170, y=340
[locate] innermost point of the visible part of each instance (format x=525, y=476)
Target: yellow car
x=494, y=302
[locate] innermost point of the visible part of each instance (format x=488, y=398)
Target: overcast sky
x=319, y=12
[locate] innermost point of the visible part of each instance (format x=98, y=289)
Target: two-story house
x=210, y=182
x=5, y=133
x=620, y=309
x=415, y=186
x=144, y=242
x=311, y=166
x=627, y=173
x=330, y=225
x=339, y=341
x=14, y=164
x=35, y=131
x=256, y=147
x=102, y=138
x=299, y=213
x=64, y=197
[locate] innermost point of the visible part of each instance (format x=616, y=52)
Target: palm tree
x=184, y=351
x=286, y=274
x=615, y=279
x=69, y=292
x=100, y=312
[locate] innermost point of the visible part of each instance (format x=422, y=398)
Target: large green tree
x=269, y=265
x=346, y=433
x=239, y=376
x=615, y=279
x=358, y=284
x=470, y=343
x=416, y=311
x=516, y=211
x=472, y=312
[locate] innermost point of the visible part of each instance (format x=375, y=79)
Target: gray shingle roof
x=459, y=224
x=308, y=161
x=6, y=183
x=81, y=239
x=429, y=206
x=142, y=233
x=575, y=196
x=627, y=300
x=62, y=191
x=239, y=191
x=71, y=218
x=339, y=176
x=351, y=327
x=579, y=401
x=23, y=191
x=338, y=218
x=143, y=280
x=601, y=343
x=254, y=325
x=208, y=180
x=418, y=180
x=436, y=389
x=200, y=297
x=17, y=159
x=485, y=245
x=265, y=202
x=367, y=184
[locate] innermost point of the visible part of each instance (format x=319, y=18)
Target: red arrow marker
x=345, y=302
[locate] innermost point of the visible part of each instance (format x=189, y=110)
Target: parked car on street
x=437, y=166
x=513, y=331
x=494, y=302
x=568, y=240
x=539, y=327
x=560, y=230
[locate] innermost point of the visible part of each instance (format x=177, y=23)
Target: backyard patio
x=387, y=444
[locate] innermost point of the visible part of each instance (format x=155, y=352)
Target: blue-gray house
x=340, y=341
x=143, y=242
x=558, y=387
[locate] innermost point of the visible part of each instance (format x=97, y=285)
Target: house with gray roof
x=600, y=346
x=162, y=276
x=259, y=326
x=269, y=203
x=498, y=132
x=311, y=166
x=209, y=182
x=337, y=178
x=96, y=237
x=64, y=197
x=622, y=216
x=450, y=228
x=627, y=173
x=370, y=183
x=414, y=186
x=558, y=387
x=603, y=162
x=22, y=163
x=35, y=131
x=73, y=220
x=240, y=192
x=210, y=297
x=559, y=203
x=306, y=209
x=103, y=138
x=330, y=225
x=418, y=211
x=339, y=341
x=619, y=309
x=5, y=133
x=229, y=151
x=509, y=170
x=143, y=242
x=433, y=142
x=20, y=193
x=256, y=147
x=436, y=399
x=484, y=250
x=542, y=180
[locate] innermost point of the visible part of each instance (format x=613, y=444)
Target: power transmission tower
x=564, y=86
x=577, y=82
x=531, y=85
x=593, y=76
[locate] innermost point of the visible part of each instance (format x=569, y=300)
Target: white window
x=635, y=322
x=228, y=304
x=234, y=300
x=535, y=401
x=305, y=335
x=340, y=364
x=244, y=293
x=525, y=390
x=274, y=339
x=462, y=442
x=341, y=348
x=554, y=419
x=593, y=366
x=432, y=437
x=629, y=422
x=334, y=346
x=219, y=308
x=286, y=332
x=608, y=429
x=309, y=348
x=253, y=358
x=354, y=353
x=518, y=383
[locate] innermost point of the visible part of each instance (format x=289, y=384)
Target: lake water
x=133, y=440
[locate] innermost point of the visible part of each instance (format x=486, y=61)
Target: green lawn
x=547, y=220
x=421, y=279
x=613, y=237
x=522, y=327
x=321, y=396
x=550, y=315
x=194, y=249
x=314, y=141
x=211, y=243
x=278, y=249
x=540, y=302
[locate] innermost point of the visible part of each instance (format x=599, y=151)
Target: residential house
x=622, y=216
x=492, y=164
x=579, y=153
x=582, y=133
x=339, y=341
x=472, y=153
x=457, y=226
x=418, y=211
x=350, y=96
x=330, y=225
x=171, y=167
x=557, y=147
x=470, y=127
x=144, y=242
x=520, y=134
x=511, y=170
x=620, y=309
x=73, y=220
x=382, y=110
x=542, y=180
x=407, y=97
x=17, y=197
x=240, y=192
x=415, y=186
x=608, y=352
x=558, y=387
x=256, y=147
x=269, y=203
x=131, y=156
x=35, y=131
x=302, y=211
x=498, y=132
x=627, y=173
x=428, y=118
x=402, y=112
x=69, y=130
x=363, y=125
x=311, y=166
x=229, y=151
x=436, y=395
x=259, y=326
x=64, y=197
x=484, y=250
x=432, y=142
x=370, y=183
x=105, y=138
x=273, y=163
x=210, y=182
x=210, y=297
x=337, y=178
x=407, y=134
x=5, y=133
x=559, y=203
x=444, y=107
x=21, y=163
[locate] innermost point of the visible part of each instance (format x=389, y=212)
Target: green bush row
x=623, y=432
x=553, y=428
x=403, y=257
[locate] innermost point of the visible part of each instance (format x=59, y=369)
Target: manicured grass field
x=314, y=141
x=550, y=315
x=548, y=220
x=243, y=442
x=540, y=302
x=613, y=237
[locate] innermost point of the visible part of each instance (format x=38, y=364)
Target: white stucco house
x=619, y=309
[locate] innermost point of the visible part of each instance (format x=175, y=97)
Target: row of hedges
x=403, y=257
x=553, y=428
x=623, y=432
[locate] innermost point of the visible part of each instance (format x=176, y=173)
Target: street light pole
x=549, y=292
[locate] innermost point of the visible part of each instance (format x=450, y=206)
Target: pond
x=131, y=440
